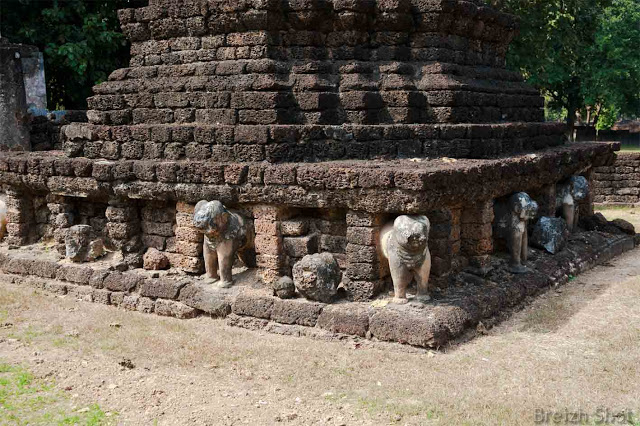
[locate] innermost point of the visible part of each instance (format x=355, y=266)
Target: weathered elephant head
x=523, y=206
x=412, y=232
x=574, y=189
x=212, y=218
x=579, y=187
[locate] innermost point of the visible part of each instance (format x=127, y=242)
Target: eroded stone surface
x=624, y=226
x=284, y=288
x=175, y=309
x=81, y=246
x=77, y=242
x=550, y=234
x=299, y=312
x=206, y=299
x=155, y=260
x=317, y=277
x=350, y=319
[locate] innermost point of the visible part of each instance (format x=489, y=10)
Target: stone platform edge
x=428, y=326
x=409, y=186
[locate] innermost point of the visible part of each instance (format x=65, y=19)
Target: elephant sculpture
x=225, y=234
x=567, y=195
x=512, y=217
x=405, y=244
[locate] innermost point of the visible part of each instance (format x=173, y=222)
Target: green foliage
x=551, y=113
x=81, y=42
x=608, y=117
x=582, y=54
x=612, y=78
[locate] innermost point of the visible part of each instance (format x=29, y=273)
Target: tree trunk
x=571, y=122
x=597, y=117
x=573, y=105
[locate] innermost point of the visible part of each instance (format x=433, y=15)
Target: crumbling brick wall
x=291, y=81
x=618, y=183
x=312, y=231
x=47, y=130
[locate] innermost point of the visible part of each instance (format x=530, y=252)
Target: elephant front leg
x=569, y=213
x=226, y=255
x=516, y=241
x=401, y=277
x=422, y=280
x=524, y=257
x=211, y=262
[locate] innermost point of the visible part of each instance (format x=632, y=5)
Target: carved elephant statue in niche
x=405, y=244
x=225, y=234
x=567, y=195
x=512, y=217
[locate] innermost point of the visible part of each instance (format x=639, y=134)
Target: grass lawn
x=630, y=148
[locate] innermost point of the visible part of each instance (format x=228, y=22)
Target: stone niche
x=37, y=217
x=313, y=231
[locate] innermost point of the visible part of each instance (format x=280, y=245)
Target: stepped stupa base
x=454, y=311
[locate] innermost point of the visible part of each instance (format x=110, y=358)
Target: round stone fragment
x=317, y=277
x=580, y=187
x=284, y=288
x=624, y=226
x=550, y=234
x=155, y=260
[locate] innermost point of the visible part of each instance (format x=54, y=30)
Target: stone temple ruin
x=350, y=152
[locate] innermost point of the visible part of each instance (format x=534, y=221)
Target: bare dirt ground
x=574, y=349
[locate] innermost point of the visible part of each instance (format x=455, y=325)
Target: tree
x=612, y=81
x=582, y=54
x=81, y=42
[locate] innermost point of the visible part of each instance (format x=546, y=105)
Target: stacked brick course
x=185, y=250
x=364, y=273
x=157, y=225
x=476, y=232
x=46, y=130
x=618, y=183
x=65, y=212
x=20, y=218
x=314, y=81
x=269, y=241
x=444, y=241
x=315, y=230
x=123, y=228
